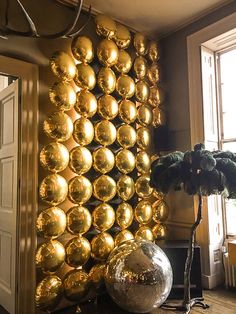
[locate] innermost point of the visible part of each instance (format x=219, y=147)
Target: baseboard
x=210, y=282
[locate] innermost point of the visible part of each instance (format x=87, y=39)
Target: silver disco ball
x=138, y=276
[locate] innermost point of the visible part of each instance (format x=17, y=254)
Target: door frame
x=28, y=180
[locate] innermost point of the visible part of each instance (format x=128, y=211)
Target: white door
x=8, y=194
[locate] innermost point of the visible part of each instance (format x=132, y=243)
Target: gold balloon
x=124, y=62
x=102, y=244
x=104, y=188
x=140, y=44
x=153, y=51
x=125, y=161
x=143, y=137
x=126, y=136
x=107, y=107
x=79, y=189
x=50, y=256
x=106, y=80
x=145, y=115
x=51, y=222
x=63, y=66
x=143, y=162
x=78, y=251
x=159, y=231
x=158, y=195
x=142, y=91
x=153, y=74
x=105, y=26
x=83, y=131
x=54, y=157
x=160, y=211
x=125, y=86
x=143, y=212
x=122, y=36
x=49, y=292
x=53, y=189
x=140, y=67
x=107, y=52
x=103, y=217
x=85, y=77
x=159, y=117
x=96, y=274
x=103, y=160
x=76, y=285
x=142, y=186
x=80, y=160
x=144, y=233
x=86, y=104
x=105, y=132
x=124, y=215
x=127, y=111
x=125, y=187
x=82, y=49
x=79, y=220
x=122, y=236
x=156, y=96
x=62, y=95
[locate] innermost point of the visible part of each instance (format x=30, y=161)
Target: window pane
x=230, y=207
x=230, y=146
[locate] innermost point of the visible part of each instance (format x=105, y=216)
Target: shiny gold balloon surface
x=105, y=26
x=83, y=131
x=140, y=44
x=122, y=36
x=51, y=222
x=124, y=215
x=158, y=195
x=78, y=251
x=140, y=67
x=159, y=231
x=126, y=136
x=125, y=161
x=127, y=111
x=85, y=77
x=143, y=137
x=145, y=115
x=122, y=236
x=107, y=107
x=142, y=186
x=80, y=190
x=76, y=285
x=103, y=217
x=107, y=52
x=80, y=160
x=48, y=293
x=79, y=220
x=155, y=97
x=125, y=187
x=105, y=132
x=104, y=188
x=142, y=91
x=62, y=95
x=54, y=157
x=159, y=117
x=144, y=233
x=86, y=104
x=160, y=211
x=53, y=189
x=143, y=212
x=50, y=256
x=106, y=80
x=153, y=74
x=103, y=160
x=58, y=126
x=125, y=86
x=143, y=162
x=82, y=49
x=102, y=244
x=153, y=51
x=63, y=66
x=124, y=62
x=96, y=274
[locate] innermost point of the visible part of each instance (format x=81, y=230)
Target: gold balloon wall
x=106, y=102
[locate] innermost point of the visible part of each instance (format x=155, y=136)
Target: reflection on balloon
x=82, y=49
x=143, y=162
x=83, y=131
x=125, y=86
x=63, y=66
x=145, y=115
x=142, y=91
x=122, y=36
x=105, y=132
x=62, y=95
x=160, y=211
x=125, y=187
x=124, y=62
x=106, y=80
x=107, y=52
x=122, y=236
x=103, y=217
x=102, y=244
x=156, y=96
x=159, y=117
x=125, y=161
x=76, y=285
x=104, y=188
x=153, y=74
x=105, y=26
x=159, y=231
x=143, y=137
x=140, y=67
x=80, y=190
x=103, y=160
x=96, y=275
x=124, y=215
x=77, y=251
x=144, y=233
x=153, y=51
x=107, y=107
x=126, y=136
x=80, y=160
x=127, y=111
x=143, y=212
x=79, y=220
x=54, y=157
x=86, y=104
x=142, y=186
x=140, y=44
x=85, y=77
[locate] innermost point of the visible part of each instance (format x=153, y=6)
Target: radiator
x=230, y=272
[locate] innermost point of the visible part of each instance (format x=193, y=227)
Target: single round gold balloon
x=142, y=186
x=54, y=157
x=140, y=44
x=79, y=190
x=86, y=104
x=143, y=137
x=53, y=189
x=122, y=236
x=125, y=86
x=145, y=115
x=83, y=131
x=107, y=107
x=48, y=293
x=160, y=211
x=105, y=26
x=79, y=220
x=127, y=111
x=51, y=222
x=58, y=126
x=50, y=256
x=125, y=161
x=104, y=188
x=103, y=217
x=156, y=96
x=140, y=67
x=143, y=212
x=125, y=187
x=159, y=117
x=159, y=231
x=85, y=77
x=142, y=91
x=78, y=251
x=126, y=136
x=80, y=160
x=122, y=36
x=76, y=285
x=124, y=215
x=103, y=160
x=106, y=80
x=105, y=133
x=153, y=51
x=82, y=49
x=153, y=74
x=124, y=62
x=96, y=274
x=62, y=95
x=143, y=162
x=107, y=52
x=102, y=244
x=63, y=66
x=144, y=233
